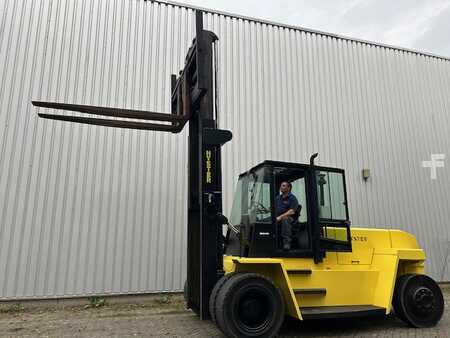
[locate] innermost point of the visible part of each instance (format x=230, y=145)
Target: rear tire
x=420, y=301
x=249, y=305
x=397, y=296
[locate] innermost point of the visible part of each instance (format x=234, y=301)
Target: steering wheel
x=261, y=208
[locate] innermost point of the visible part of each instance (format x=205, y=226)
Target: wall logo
x=437, y=161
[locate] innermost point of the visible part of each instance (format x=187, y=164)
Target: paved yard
x=166, y=317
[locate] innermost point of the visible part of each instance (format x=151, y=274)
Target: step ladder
x=324, y=312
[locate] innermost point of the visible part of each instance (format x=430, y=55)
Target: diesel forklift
x=246, y=281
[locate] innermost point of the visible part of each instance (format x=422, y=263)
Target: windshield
x=259, y=198
x=236, y=210
x=252, y=199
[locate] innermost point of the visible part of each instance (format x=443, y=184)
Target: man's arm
x=291, y=212
x=287, y=214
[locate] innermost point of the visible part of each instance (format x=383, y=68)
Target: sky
x=422, y=25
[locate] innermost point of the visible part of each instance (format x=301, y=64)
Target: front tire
x=214, y=294
x=249, y=305
x=419, y=301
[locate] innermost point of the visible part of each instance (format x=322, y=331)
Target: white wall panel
x=91, y=210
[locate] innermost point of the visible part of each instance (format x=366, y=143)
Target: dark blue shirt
x=283, y=204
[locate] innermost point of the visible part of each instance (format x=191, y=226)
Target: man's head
x=285, y=187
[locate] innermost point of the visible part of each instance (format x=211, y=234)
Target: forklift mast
x=193, y=100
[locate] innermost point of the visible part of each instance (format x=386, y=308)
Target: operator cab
x=321, y=221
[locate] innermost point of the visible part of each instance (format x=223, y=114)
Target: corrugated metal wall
x=91, y=210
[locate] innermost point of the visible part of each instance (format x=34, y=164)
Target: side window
x=299, y=190
x=331, y=196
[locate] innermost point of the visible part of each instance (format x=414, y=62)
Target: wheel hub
x=253, y=311
x=424, y=300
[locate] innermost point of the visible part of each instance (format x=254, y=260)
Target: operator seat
x=296, y=215
x=300, y=231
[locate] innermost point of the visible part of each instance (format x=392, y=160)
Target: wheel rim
x=254, y=310
x=423, y=301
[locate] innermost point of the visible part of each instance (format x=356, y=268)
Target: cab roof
x=270, y=163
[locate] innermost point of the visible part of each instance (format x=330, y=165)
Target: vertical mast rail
x=193, y=100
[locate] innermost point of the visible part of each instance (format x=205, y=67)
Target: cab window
x=331, y=196
x=236, y=210
x=259, y=199
x=299, y=191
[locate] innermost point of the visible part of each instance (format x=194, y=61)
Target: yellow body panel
x=276, y=271
x=365, y=276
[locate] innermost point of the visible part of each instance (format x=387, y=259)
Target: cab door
x=297, y=176
x=331, y=211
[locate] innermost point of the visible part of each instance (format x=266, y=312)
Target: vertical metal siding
x=91, y=210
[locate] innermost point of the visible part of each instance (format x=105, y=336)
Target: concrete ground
x=165, y=316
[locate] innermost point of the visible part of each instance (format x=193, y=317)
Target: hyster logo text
x=359, y=239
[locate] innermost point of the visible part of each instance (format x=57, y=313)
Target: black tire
x=421, y=301
x=397, y=296
x=215, y=293
x=249, y=305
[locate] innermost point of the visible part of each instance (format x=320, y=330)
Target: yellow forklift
x=247, y=281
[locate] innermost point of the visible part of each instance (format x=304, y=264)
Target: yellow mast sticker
x=208, y=166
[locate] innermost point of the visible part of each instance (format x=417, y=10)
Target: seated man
x=286, y=205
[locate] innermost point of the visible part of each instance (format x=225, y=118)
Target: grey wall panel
x=90, y=210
